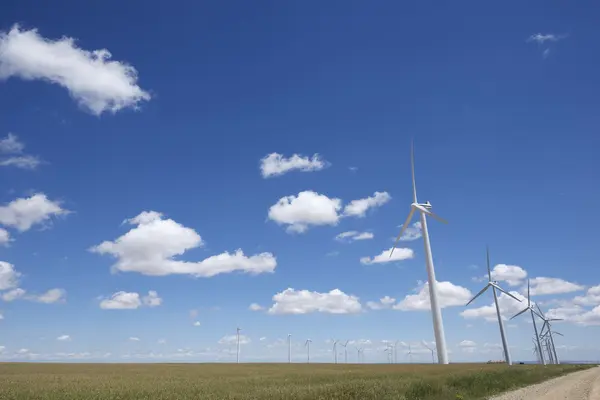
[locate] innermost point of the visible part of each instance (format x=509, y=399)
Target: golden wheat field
x=266, y=381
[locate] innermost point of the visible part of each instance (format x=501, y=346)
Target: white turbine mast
x=424, y=210
x=307, y=344
x=494, y=285
x=335, y=350
x=409, y=354
x=358, y=351
x=533, y=313
x=345, y=351
x=289, y=347
x=549, y=333
x=424, y=343
x=238, y=346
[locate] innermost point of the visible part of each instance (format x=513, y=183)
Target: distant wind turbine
x=238, y=346
x=289, y=347
x=430, y=349
x=494, y=285
x=335, y=350
x=424, y=210
x=358, y=351
x=533, y=312
x=409, y=354
x=396, y=351
x=549, y=332
x=345, y=352
x=307, y=344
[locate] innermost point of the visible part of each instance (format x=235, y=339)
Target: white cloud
x=358, y=208
x=508, y=308
x=130, y=301
x=161, y=341
x=13, y=294
x=383, y=303
x=4, y=237
x=23, y=213
x=51, y=296
x=412, y=232
x=543, y=285
x=449, y=295
x=305, y=209
x=197, y=323
x=9, y=276
x=292, y=301
x=64, y=338
x=542, y=38
x=262, y=339
x=232, y=339
x=576, y=314
x=591, y=298
x=399, y=254
x=11, y=145
x=276, y=164
x=94, y=81
x=150, y=249
x=134, y=339
x=467, y=343
x=152, y=299
x=511, y=274
x=14, y=148
x=351, y=236
x=256, y=307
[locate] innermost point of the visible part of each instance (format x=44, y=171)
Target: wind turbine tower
x=494, y=285
x=237, y=360
x=307, y=344
x=335, y=350
x=550, y=333
x=424, y=210
x=289, y=347
x=345, y=351
x=533, y=312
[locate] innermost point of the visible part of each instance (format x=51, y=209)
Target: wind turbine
x=424, y=210
x=237, y=360
x=494, y=285
x=307, y=344
x=396, y=351
x=409, y=354
x=345, y=352
x=358, y=350
x=431, y=350
x=536, y=351
x=335, y=350
x=549, y=332
x=532, y=310
x=289, y=347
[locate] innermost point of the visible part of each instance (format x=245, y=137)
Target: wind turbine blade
x=536, y=313
x=434, y=215
x=487, y=252
x=555, y=319
x=478, y=294
x=412, y=169
x=505, y=292
x=521, y=312
x=404, y=226
x=528, y=294
x=540, y=310
x=558, y=333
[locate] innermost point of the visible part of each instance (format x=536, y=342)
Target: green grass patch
x=23, y=381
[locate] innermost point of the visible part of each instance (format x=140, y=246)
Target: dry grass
x=265, y=381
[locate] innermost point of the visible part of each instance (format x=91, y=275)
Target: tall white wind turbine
x=345, y=345
x=533, y=313
x=549, y=332
x=409, y=354
x=358, y=351
x=237, y=359
x=307, y=344
x=424, y=343
x=494, y=285
x=424, y=210
x=289, y=347
x=335, y=350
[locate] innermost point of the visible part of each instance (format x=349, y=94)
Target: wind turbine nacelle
x=427, y=205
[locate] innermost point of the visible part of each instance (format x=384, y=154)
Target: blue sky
x=272, y=128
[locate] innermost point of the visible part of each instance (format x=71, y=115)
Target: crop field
x=266, y=381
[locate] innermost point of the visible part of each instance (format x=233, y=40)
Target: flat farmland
x=267, y=381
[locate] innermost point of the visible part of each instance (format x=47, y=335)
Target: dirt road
x=582, y=385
